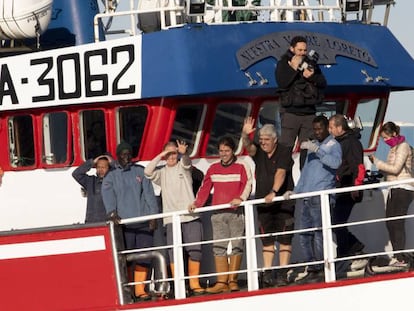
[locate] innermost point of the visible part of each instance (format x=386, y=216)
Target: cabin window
x=55, y=138
x=131, y=125
x=93, y=133
x=269, y=113
x=188, y=124
x=330, y=108
x=21, y=141
x=228, y=121
x=367, y=111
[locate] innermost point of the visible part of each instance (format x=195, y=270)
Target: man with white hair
x=273, y=178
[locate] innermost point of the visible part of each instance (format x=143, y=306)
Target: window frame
x=69, y=140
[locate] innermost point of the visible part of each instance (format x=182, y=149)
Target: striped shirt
x=228, y=183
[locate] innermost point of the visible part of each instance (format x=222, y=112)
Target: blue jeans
x=311, y=242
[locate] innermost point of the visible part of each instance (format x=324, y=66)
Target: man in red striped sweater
x=231, y=179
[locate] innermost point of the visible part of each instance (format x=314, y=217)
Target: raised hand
x=182, y=146
x=103, y=156
x=248, y=126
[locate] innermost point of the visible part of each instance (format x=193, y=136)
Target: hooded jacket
x=352, y=170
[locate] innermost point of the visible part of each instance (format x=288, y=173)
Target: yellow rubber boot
x=194, y=270
x=172, y=269
x=221, y=286
x=140, y=275
x=235, y=262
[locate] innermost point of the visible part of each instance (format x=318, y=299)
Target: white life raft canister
x=20, y=19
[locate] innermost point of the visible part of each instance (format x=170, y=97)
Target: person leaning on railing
x=127, y=193
x=397, y=167
x=175, y=180
x=324, y=156
x=231, y=179
x=350, y=173
x=273, y=162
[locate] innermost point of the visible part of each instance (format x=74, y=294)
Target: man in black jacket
x=350, y=173
x=95, y=209
x=300, y=82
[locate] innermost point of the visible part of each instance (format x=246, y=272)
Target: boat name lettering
x=276, y=44
x=258, y=49
x=69, y=76
x=349, y=50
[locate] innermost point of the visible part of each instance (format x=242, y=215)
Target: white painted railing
x=123, y=18
x=251, y=256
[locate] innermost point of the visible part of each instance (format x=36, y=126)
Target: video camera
x=354, y=124
x=372, y=177
x=309, y=61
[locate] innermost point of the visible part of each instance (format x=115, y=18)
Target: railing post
x=132, y=18
x=172, y=13
x=328, y=253
x=118, y=273
x=179, y=281
x=251, y=258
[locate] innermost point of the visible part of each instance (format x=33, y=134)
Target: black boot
x=266, y=279
x=281, y=277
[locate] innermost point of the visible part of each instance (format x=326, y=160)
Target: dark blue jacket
x=95, y=209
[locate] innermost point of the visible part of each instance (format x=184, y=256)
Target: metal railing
x=252, y=269
x=123, y=20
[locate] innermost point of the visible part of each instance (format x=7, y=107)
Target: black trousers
x=347, y=243
x=398, y=202
x=296, y=126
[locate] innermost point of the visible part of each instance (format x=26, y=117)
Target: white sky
x=401, y=22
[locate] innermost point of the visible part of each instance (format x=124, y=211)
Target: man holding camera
x=301, y=83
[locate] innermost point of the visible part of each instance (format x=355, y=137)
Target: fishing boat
x=149, y=71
